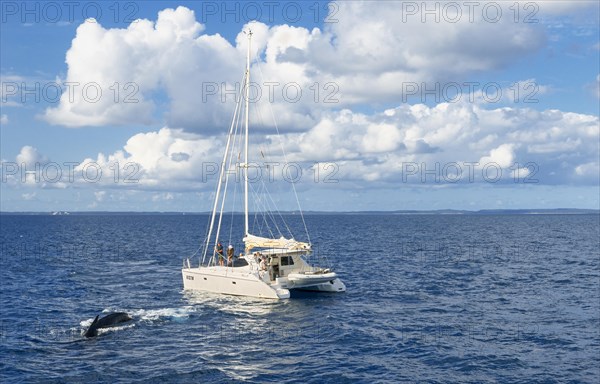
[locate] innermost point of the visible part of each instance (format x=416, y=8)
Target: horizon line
x=397, y=211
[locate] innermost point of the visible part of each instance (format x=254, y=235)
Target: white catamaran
x=269, y=267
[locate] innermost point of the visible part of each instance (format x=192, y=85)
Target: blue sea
x=430, y=298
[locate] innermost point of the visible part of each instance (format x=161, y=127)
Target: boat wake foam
x=153, y=315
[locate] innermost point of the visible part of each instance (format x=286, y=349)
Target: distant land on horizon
x=554, y=211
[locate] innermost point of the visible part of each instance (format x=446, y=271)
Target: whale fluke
x=106, y=322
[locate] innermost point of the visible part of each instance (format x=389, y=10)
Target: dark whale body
x=106, y=322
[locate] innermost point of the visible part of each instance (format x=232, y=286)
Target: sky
x=356, y=105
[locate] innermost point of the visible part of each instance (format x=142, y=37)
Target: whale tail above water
x=106, y=322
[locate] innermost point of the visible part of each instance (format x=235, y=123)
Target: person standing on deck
x=219, y=249
x=263, y=263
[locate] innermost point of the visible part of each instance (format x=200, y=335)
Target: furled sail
x=252, y=241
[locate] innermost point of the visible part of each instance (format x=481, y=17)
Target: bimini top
x=252, y=242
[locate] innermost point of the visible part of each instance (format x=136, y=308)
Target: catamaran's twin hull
x=217, y=280
x=334, y=286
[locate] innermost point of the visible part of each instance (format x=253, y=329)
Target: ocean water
x=439, y=298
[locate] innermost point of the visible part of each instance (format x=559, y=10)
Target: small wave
x=86, y=323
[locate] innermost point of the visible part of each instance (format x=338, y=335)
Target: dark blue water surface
x=507, y=298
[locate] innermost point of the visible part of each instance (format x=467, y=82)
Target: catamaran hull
x=301, y=280
x=332, y=286
x=217, y=280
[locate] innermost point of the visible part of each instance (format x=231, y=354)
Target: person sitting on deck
x=219, y=249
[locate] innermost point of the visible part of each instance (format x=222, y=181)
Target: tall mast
x=247, y=230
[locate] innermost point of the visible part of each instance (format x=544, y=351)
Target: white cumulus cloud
x=29, y=157
x=368, y=56
x=551, y=146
